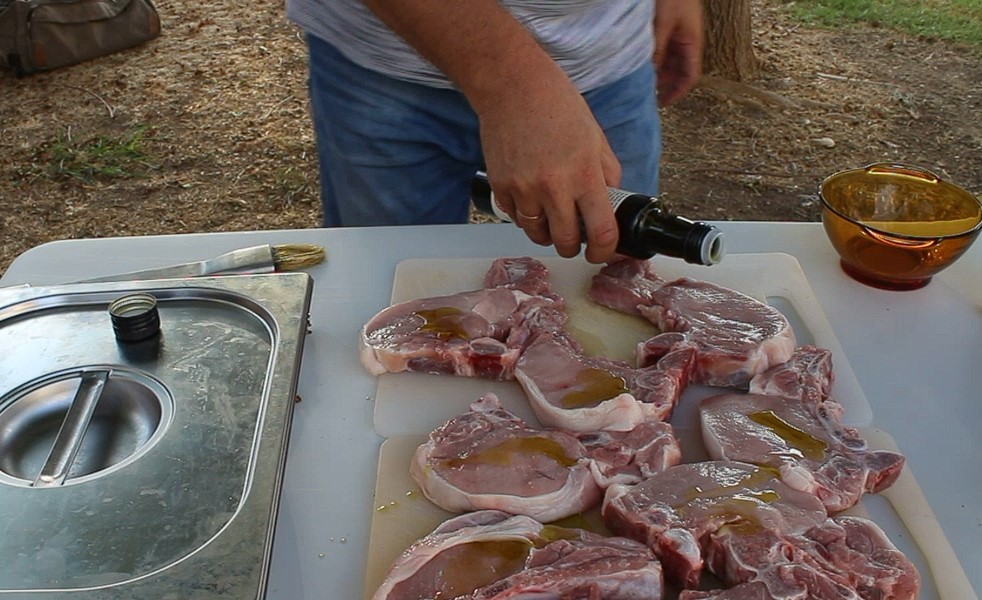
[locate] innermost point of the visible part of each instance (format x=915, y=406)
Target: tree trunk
x=729, y=49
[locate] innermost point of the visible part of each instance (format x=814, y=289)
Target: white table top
x=917, y=356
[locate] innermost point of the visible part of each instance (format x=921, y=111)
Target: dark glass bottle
x=645, y=227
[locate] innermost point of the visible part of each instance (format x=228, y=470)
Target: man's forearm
x=477, y=44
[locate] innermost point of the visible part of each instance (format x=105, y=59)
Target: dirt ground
x=207, y=129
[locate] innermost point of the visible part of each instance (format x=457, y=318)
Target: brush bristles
x=290, y=257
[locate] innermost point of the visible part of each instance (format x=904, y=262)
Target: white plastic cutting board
x=415, y=404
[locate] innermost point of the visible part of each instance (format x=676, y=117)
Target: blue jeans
x=399, y=153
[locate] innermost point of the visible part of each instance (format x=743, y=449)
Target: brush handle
x=257, y=259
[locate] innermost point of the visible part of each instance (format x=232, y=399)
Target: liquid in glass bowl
x=896, y=226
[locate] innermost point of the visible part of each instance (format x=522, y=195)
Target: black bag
x=38, y=35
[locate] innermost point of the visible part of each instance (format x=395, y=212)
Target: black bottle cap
x=134, y=317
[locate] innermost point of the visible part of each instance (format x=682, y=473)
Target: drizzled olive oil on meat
x=441, y=322
x=738, y=508
x=810, y=446
x=596, y=385
x=514, y=450
x=477, y=564
x=758, y=476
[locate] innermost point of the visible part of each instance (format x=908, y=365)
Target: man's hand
x=679, y=43
x=547, y=159
x=549, y=165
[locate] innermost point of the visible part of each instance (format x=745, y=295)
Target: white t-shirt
x=595, y=42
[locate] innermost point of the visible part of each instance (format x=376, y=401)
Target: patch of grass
x=99, y=158
x=952, y=20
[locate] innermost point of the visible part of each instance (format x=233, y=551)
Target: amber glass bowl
x=896, y=226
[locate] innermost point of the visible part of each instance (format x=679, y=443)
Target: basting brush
x=256, y=259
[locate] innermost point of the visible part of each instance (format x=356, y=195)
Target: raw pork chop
x=841, y=558
x=585, y=566
x=859, y=553
x=489, y=544
x=488, y=458
x=736, y=335
x=674, y=511
x=798, y=433
x=569, y=390
x=493, y=555
x=478, y=333
x=628, y=457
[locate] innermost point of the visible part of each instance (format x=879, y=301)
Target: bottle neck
x=648, y=229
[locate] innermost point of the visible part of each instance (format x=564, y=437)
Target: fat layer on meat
x=488, y=458
x=796, y=430
x=491, y=555
x=736, y=336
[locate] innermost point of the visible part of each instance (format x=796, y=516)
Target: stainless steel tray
x=168, y=485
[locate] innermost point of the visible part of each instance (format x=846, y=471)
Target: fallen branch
x=269, y=112
x=854, y=79
x=748, y=173
x=753, y=96
x=112, y=112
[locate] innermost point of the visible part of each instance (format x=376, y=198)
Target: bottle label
x=617, y=197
